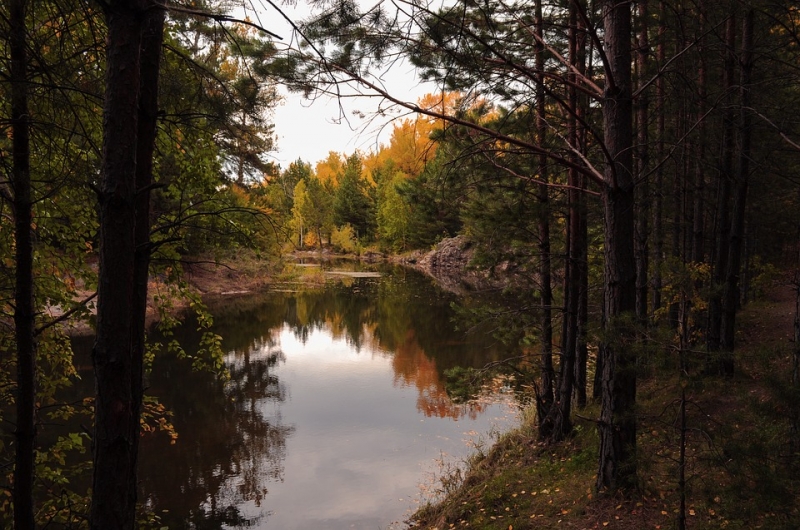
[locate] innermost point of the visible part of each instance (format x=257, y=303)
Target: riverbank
x=738, y=470
x=212, y=279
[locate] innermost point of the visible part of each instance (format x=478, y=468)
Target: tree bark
x=658, y=203
x=794, y=427
x=24, y=307
x=617, y=463
x=150, y=61
x=720, y=266
x=116, y=409
x=730, y=300
x=642, y=161
x=698, y=228
x=559, y=416
x=581, y=236
x=548, y=374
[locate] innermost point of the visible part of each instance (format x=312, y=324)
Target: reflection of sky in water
x=360, y=445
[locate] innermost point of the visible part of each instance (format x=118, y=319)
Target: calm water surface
x=335, y=415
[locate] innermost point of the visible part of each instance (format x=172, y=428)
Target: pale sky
x=310, y=129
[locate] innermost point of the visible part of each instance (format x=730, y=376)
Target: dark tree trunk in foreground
x=617, y=464
x=698, y=228
x=794, y=428
x=730, y=299
x=116, y=422
x=152, y=37
x=658, y=196
x=24, y=310
x=128, y=132
x=548, y=374
x=642, y=161
x=580, y=239
x=720, y=264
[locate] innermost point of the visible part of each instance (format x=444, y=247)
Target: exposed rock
x=449, y=263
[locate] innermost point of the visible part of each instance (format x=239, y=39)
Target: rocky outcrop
x=449, y=263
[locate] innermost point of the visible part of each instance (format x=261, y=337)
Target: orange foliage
x=412, y=366
x=328, y=170
x=410, y=146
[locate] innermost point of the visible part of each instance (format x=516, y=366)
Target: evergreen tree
x=352, y=205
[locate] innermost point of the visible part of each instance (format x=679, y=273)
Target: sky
x=309, y=129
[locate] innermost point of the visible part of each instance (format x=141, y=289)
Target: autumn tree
x=352, y=205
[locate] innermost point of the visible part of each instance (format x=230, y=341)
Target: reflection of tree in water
x=232, y=439
x=413, y=367
x=229, y=447
x=391, y=315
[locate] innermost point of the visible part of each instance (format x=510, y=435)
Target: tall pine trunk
x=617, y=462
x=559, y=416
x=642, y=161
x=698, y=228
x=150, y=60
x=722, y=220
x=24, y=308
x=580, y=238
x=548, y=375
x=658, y=198
x=730, y=300
x=122, y=284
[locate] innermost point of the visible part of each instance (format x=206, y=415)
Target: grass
x=739, y=471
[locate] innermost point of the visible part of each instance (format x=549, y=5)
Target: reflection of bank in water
x=334, y=411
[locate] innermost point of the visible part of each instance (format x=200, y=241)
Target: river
x=335, y=415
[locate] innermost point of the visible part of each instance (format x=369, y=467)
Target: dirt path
x=768, y=322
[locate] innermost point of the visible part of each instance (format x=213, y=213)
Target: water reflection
x=314, y=428
x=224, y=432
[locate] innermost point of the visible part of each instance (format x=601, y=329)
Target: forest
x=630, y=169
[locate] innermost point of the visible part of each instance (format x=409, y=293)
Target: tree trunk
x=546, y=391
x=642, y=161
x=582, y=350
x=116, y=409
x=730, y=300
x=698, y=228
x=658, y=210
x=559, y=415
x=581, y=236
x=24, y=307
x=720, y=265
x=152, y=37
x=794, y=428
x=617, y=463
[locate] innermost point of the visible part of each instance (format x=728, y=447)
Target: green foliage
x=353, y=204
x=220, y=81
x=435, y=197
x=343, y=239
x=394, y=213
x=208, y=355
x=311, y=212
x=464, y=384
x=215, y=90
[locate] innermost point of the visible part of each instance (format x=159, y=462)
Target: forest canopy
x=632, y=166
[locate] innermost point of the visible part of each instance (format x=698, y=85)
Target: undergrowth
x=738, y=467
